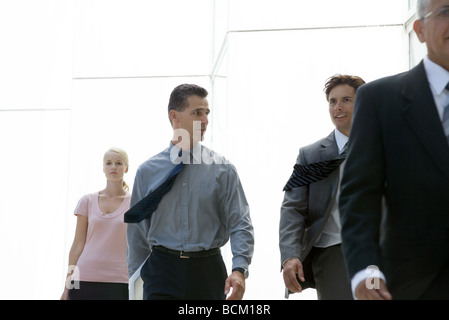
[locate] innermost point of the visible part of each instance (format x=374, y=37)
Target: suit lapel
x=421, y=113
x=329, y=150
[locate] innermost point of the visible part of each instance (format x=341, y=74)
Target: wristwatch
x=242, y=271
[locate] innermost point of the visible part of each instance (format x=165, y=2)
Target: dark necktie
x=306, y=174
x=146, y=206
x=446, y=118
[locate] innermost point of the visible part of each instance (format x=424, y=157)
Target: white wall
x=35, y=117
x=80, y=76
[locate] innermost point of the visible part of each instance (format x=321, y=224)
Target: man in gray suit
x=309, y=229
x=399, y=153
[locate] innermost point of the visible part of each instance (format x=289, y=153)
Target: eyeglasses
x=441, y=14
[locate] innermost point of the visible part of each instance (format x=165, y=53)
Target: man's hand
x=293, y=268
x=236, y=281
x=363, y=292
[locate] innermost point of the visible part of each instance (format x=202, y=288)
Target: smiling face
x=341, y=106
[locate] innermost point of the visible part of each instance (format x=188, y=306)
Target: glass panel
x=268, y=71
x=33, y=212
x=418, y=50
x=412, y=5
x=221, y=25
x=266, y=14
x=36, y=61
x=116, y=38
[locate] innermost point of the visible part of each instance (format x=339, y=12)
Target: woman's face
x=114, y=166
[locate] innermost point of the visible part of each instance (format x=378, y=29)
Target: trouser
x=439, y=288
x=167, y=276
x=329, y=271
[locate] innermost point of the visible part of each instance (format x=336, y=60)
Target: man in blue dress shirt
x=179, y=245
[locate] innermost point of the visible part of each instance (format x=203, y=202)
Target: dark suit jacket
x=305, y=210
x=397, y=150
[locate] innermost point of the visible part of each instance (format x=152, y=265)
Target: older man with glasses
x=394, y=203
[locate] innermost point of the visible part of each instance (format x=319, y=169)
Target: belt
x=187, y=255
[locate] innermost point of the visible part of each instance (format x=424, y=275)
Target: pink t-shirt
x=104, y=255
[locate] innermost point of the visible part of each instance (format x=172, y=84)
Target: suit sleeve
x=294, y=210
x=363, y=185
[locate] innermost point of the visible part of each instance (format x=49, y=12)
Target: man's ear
x=174, y=116
x=418, y=27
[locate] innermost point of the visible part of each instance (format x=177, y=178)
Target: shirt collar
x=194, y=154
x=341, y=139
x=438, y=76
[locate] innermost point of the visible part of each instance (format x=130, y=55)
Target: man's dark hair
x=339, y=79
x=180, y=94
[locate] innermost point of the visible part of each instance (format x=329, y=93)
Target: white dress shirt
x=438, y=79
x=331, y=234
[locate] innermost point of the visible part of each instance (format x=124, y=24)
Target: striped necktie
x=146, y=206
x=306, y=174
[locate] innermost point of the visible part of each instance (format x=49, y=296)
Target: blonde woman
x=97, y=258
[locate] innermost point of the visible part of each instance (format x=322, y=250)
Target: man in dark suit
x=399, y=160
x=309, y=230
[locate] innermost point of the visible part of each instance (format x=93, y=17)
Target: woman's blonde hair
x=125, y=159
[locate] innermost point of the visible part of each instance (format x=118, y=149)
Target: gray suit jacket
x=305, y=210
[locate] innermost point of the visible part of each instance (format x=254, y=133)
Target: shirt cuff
x=283, y=263
x=363, y=275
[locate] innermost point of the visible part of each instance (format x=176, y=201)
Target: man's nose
x=338, y=106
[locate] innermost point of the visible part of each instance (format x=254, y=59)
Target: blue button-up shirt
x=204, y=209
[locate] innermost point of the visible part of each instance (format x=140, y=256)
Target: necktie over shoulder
x=306, y=174
x=146, y=206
